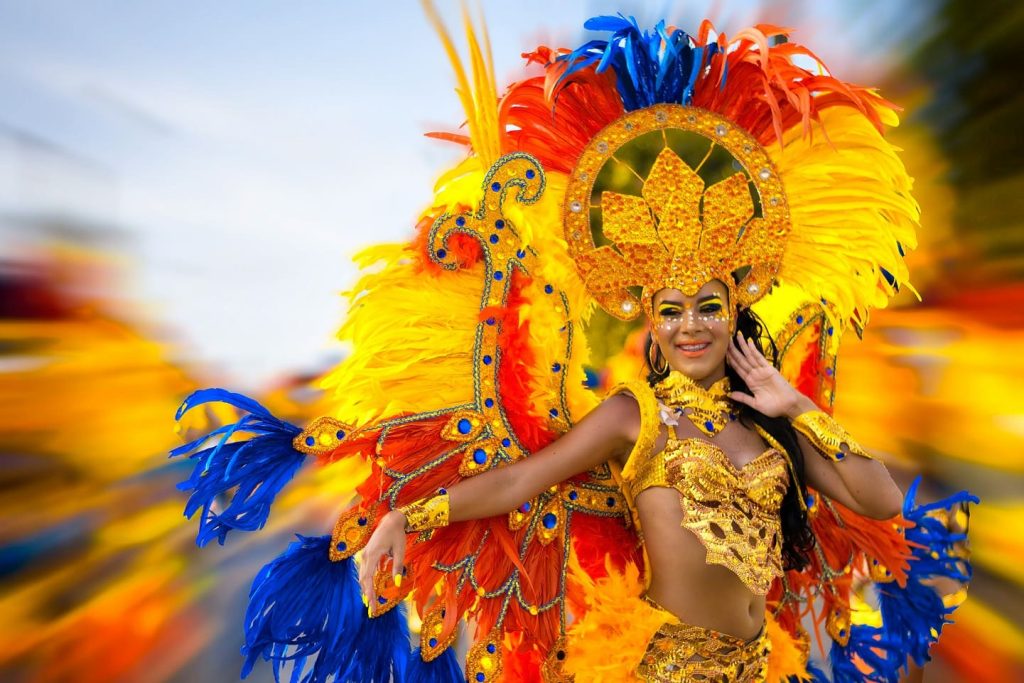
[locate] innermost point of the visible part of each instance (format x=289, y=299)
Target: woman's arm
x=860, y=483
x=607, y=432
x=856, y=481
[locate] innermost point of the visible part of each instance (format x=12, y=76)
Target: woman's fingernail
x=366, y=600
x=398, y=580
x=369, y=611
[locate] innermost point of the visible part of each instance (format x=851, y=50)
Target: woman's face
x=693, y=332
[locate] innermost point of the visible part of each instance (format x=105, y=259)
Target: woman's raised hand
x=387, y=540
x=772, y=394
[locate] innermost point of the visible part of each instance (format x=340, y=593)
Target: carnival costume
x=807, y=221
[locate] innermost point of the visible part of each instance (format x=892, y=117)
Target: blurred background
x=182, y=185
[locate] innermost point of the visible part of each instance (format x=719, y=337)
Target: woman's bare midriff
x=682, y=582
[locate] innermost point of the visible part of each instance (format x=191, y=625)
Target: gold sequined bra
x=733, y=511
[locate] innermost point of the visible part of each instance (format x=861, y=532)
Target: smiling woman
x=682, y=527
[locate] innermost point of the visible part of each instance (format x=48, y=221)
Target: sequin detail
x=686, y=653
x=734, y=512
x=678, y=233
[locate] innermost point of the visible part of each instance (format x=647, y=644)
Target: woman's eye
x=710, y=308
x=670, y=312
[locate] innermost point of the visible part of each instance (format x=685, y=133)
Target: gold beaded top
x=678, y=233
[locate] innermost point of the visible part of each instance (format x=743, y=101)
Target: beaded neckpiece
x=710, y=410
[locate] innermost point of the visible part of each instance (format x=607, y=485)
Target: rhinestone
x=753, y=288
x=602, y=147
x=764, y=174
x=691, y=118
x=627, y=306
x=721, y=130
x=577, y=235
x=661, y=117
x=774, y=201
x=629, y=126
x=584, y=176
x=747, y=149
x=575, y=207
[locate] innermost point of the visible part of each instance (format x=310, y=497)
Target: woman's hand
x=772, y=394
x=387, y=540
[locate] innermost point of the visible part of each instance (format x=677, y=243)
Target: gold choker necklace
x=708, y=409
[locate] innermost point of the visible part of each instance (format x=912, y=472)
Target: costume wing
x=467, y=356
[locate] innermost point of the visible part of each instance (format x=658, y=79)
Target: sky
x=238, y=153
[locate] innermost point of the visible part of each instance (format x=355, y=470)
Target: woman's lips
x=693, y=350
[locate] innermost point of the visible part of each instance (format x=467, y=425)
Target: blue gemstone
x=530, y=173
x=341, y=546
x=573, y=495
x=491, y=648
x=310, y=441
x=432, y=642
x=548, y=289
x=499, y=224
x=610, y=502
x=553, y=412
x=830, y=331
x=495, y=186
x=442, y=491
x=550, y=520
x=494, y=239
x=442, y=614
x=362, y=521
x=799, y=320
x=506, y=442
x=828, y=371
x=556, y=367
x=842, y=632
x=840, y=455
x=460, y=221
x=490, y=321
x=479, y=456
x=382, y=600
x=709, y=425
x=489, y=402
x=480, y=677
x=465, y=426
x=525, y=507
x=810, y=500
x=521, y=253
x=487, y=360
x=340, y=435
x=498, y=275
x=441, y=253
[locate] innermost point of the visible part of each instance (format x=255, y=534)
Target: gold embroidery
x=734, y=513
x=426, y=514
x=678, y=233
x=708, y=409
x=685, y=653
x=827, y=436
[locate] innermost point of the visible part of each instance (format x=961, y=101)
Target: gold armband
x=827, y=436
x=427, y=513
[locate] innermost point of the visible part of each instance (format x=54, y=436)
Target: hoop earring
x=653, y=355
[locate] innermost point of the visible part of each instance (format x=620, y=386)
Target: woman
x=713, y=176
x=694, y=336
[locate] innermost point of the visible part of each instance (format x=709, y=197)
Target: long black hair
x=797, y=537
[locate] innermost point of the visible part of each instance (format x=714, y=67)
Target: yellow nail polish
x=366, y=600
x=369, y=611
x=398, y=580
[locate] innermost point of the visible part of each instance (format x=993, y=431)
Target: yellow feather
x=850, y=203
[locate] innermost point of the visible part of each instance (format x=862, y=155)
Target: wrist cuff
x=827, y=436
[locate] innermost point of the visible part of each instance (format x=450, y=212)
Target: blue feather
x=256, y=469
x=444, y=669
x=651, y=67
x=305, y=609
x=912, y=615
